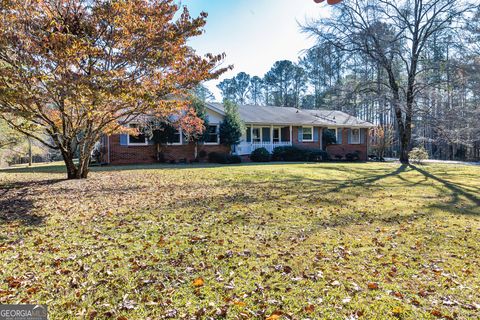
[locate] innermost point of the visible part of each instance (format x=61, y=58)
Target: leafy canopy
x=77, y=68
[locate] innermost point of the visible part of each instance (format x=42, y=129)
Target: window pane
x=355, y=135
x=256, y=134
x=176, y=137
x=212, y=135
x=249, y=135
x=307, y=133
x=266, y=134
x=276, y=134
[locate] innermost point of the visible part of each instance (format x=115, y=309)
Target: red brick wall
x=148, y=154
x=344, y=148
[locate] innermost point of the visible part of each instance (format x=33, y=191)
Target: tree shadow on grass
x=362, y=181
x=16, y=204
x=457, y=192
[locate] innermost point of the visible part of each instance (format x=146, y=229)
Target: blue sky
x=253, y=33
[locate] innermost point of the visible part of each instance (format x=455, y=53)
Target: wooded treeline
x=412, y=67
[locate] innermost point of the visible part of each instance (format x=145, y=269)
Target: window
x=276, y=134
x=355, y=136
x=256, y=135
x=337, y=133
x=307, y=133
x=139, y=140
x=176, y=137
x=266, y=134
x=212, y=135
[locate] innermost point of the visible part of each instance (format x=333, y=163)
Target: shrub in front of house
x=290, y=153
x=353, y=156
x=318, y=156
x=260, y=155
x=234, y=159
x=223, y=158
x=418, y=155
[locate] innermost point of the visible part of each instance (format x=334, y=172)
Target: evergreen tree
x=232, y=127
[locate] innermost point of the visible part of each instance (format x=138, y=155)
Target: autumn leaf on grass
x=161, y=242
x=372, y=285
x=199, y=282
x=239, y=303
x=275, y=315
x=397, y=311
x=310, y=308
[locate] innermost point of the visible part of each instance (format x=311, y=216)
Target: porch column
x=291, y=136
x=251, y=138
x=271, y=136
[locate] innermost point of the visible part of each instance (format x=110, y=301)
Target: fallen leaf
x=310, y=308
x=436, y=313
x=397, y=311
x=275, y=315
x=199, y=282
x=372, y=285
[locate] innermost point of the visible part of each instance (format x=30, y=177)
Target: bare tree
x=393, y=34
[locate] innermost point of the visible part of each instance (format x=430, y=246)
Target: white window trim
x=217, y=130
x=181, y=139
x=136, y=144
x=351, y=136
x=307, y=140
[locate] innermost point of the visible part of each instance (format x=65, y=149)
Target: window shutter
x=349, y=131
x=300, y=134
x=315, y=133
x=249, y=135
x=124, y=139
x=339, y=135
x=362, y=136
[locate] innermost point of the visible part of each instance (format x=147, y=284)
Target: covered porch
x=264, y=136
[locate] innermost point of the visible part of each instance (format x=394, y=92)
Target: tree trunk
x=404, y=148
x=82, y=171
x=71, y=168
x=74, y=171
x=30, y=160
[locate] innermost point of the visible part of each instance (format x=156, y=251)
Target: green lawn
x=333, y=241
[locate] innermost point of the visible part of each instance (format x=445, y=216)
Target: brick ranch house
x=267, y=127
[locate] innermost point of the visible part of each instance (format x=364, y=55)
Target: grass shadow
x=16, y=204
x=455, y=205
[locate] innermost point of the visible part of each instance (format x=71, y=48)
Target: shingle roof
x=291, y=116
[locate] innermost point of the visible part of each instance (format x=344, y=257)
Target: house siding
x=122, y=154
